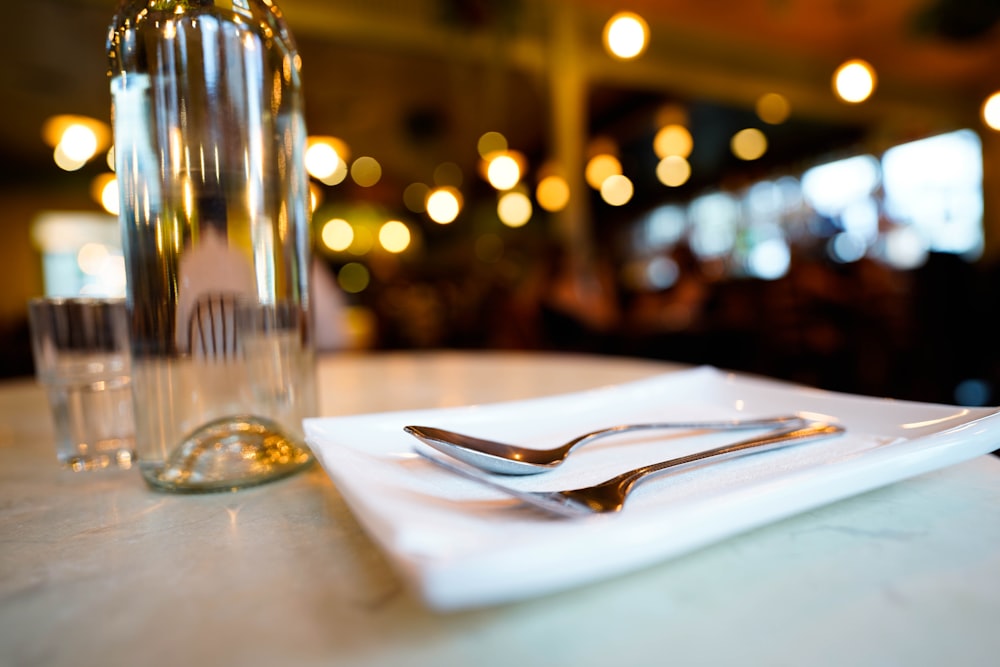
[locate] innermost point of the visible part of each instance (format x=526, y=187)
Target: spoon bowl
x=506, y=459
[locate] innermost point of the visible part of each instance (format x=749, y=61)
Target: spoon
x=507, y=459
x=609, y=496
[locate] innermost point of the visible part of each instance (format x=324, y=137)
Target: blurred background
x=699, y=181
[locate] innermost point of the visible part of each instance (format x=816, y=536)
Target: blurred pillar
x=991, y=196
x=568, y=86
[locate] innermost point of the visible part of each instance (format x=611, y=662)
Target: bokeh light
x=366, y=171
x=552, y=193
x=617, y=190
x=503, y=172
x=673, y=171
x=75, y=139
x=79, y=142
x=91, y=258
x=315, y=197
x=773, y=108
x=364, y=241
x=769, y=259
x=353, y=277
x=104, y=190
x=991, y=111
x=337, y=234
x=673, y=140
x=490, y=143
x=854, y=81
x=326, y=159
x=444, y=205
x=514, y=209
x=749, y=144
x=600, y=168
x=394, y=236
x=321, y=160
x=626, y=35
x=415, y=197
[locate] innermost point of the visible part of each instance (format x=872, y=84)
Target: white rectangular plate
x=460, y=545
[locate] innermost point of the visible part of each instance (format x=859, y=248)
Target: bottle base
x=229, y=454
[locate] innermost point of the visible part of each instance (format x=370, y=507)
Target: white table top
x=97, y=569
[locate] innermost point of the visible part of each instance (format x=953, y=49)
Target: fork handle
x=775, y=440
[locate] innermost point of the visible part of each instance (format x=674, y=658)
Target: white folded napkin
x=462, y=545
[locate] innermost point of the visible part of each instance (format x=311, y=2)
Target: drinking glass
x=81, y=352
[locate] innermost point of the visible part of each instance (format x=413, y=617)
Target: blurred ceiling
x=415, y=82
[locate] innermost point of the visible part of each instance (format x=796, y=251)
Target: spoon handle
x=789, y=421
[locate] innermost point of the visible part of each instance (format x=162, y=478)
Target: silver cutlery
x=610, y=495
x=505, y=459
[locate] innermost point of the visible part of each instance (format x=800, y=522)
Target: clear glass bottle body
x=209, y=140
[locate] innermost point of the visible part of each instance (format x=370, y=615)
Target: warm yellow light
x=109, y=197
x=600, y=167
x=443, y=205
x=325, y=163
x=338, y=175
x=64, y=161
x=353, y=277
x=617, y=190
x=394, y=236
x=337, y=234
x=79, y=142
x=56, y=129
x=748, y=144
x=366, y=171
x=363, y=241
x=321, y=160
x=854, y=81
x=415, y=197
x=673, y=171
x=104, y=190
x=773, y=108
x=514, y=209
x=552, y=193
x=336, y=143
x=315, y=197
x=991, y=111
x=626, y=35
x=491, y=142
x=673, y=140
x=503, y=172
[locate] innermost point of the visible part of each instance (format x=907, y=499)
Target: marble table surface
x=97, y=569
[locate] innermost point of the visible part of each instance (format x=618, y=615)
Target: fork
x=610, y=495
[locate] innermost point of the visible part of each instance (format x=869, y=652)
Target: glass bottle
x=209, y=140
